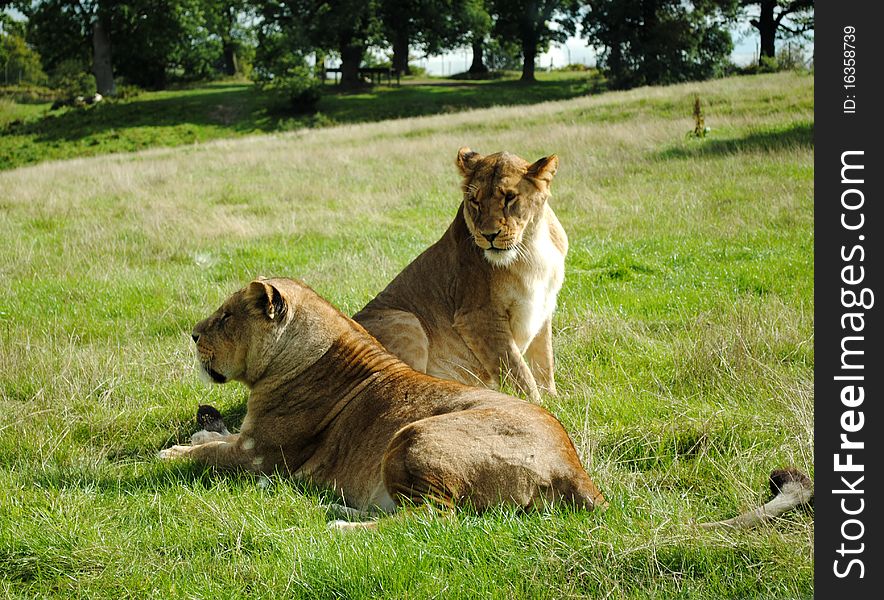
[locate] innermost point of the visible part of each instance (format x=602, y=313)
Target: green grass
x=30, y=133
x=683, y=337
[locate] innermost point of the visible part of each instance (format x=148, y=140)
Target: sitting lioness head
x=503, y=194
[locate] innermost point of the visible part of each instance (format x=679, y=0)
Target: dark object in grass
x=209, y=418
x=782, y=477
x=790, y=487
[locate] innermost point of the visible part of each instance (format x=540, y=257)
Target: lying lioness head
x=328, y=403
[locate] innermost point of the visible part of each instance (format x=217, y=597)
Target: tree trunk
x=529, y=55
x=351, y=58
x=767, y=28
x=614, y=66
x=102, y=67
x=651, y=70
x=478, y=65
x=231, y=64
x=400, y=53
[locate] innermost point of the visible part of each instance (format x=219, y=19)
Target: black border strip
x=848, y=261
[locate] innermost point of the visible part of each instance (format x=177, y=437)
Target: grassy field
x=684, y=341
x=30, y=133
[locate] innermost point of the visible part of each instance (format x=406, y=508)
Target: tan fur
x=330, y=404
x=467, y=312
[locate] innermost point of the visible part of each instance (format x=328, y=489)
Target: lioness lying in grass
x=330, y=404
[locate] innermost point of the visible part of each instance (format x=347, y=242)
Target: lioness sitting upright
x=329, y=404
x=477, y=305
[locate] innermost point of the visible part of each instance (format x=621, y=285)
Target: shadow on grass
x=244, y=108
x=163, y=476
x=793, y=135
x=237, y=107
x=422, y=99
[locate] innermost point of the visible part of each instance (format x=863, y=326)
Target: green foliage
x=228, y=21
x=153, y=42
x=417, y=71
x=27, y=94
x=72, y=79
x=425, y=24
x=127, y=92
x=281, y=69
x=651, y=42
x=529, y=23
x=19, y=64
x=59, y=32
x=575, y=68
x=790, y=57
x=502, y=55
x=298, y=88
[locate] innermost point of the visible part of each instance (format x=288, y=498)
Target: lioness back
x=476, y=306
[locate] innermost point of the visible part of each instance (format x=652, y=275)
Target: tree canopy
x=646, y=42
x=152, y=42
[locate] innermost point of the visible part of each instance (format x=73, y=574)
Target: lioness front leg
x=498, y=353
x=228, y=453
x=539, y=356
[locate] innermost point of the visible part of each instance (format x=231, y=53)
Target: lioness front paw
x=204, y=437
x=339, y=525
x=174, y=452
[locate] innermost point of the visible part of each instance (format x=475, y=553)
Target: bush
x=19, y=64
x=575, y=68
x=790, y=57
x=297, y=88
x=417, y=71
x=127, y=91
x=27, y=94
x=72, y=79
x=486, y=76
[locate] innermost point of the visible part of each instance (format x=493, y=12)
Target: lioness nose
x=195, y=336
x=490, y=236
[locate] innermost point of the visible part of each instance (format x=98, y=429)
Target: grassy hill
x=684, y=341
x=31, y=133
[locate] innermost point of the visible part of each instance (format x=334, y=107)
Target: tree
x=68, y=29
x=348, y=27
x=533, y=24
x=19, y=63
x=431, y=25
x=790, y=17
x=163, y=38
x=650, y=42
x=400, y=23
x=225, y=19
x=169, y=39
x=477, y=26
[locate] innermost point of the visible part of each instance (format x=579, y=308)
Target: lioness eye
x=510, y=196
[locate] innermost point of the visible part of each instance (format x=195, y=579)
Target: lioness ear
x=267, y=299
x=544, y=169
x=466, y=161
